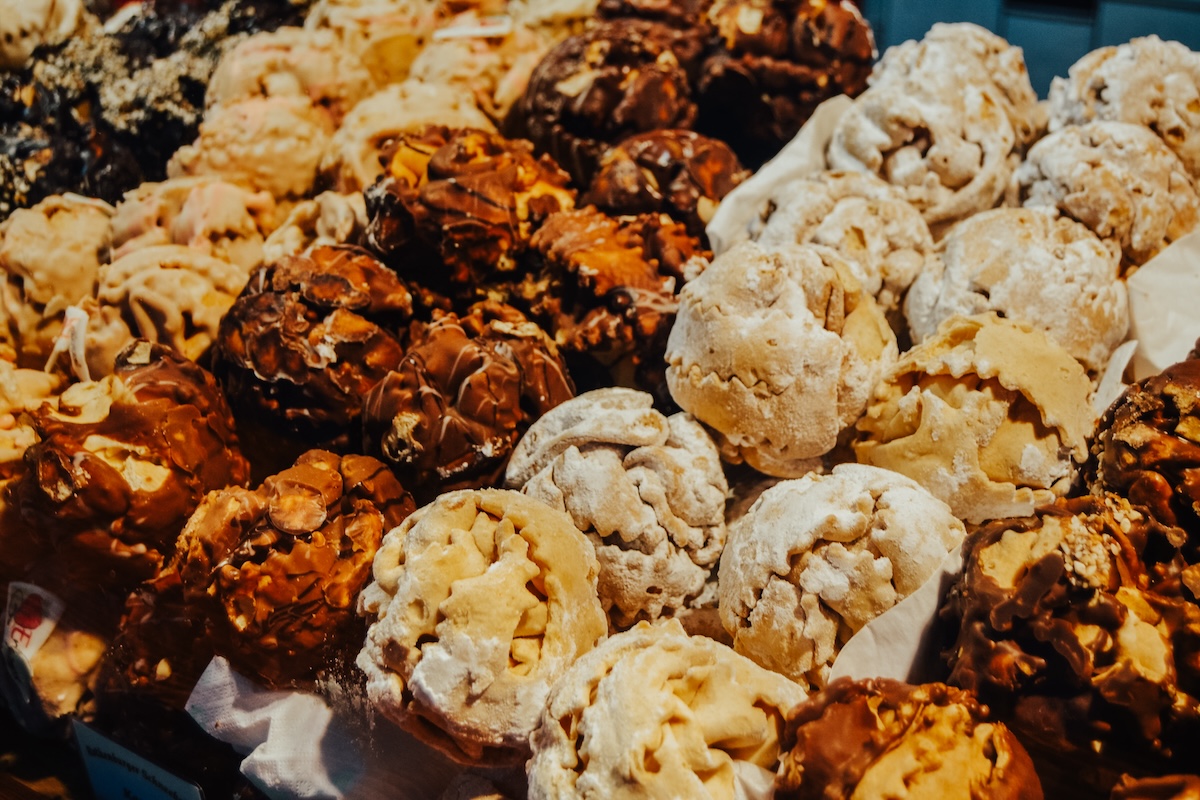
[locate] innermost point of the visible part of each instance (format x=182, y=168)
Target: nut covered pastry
x=816, y=559
x=647, y=489
x=989, y=415
x=885, y=738
x=777, y=352
x=653, y=712
x=480, y=602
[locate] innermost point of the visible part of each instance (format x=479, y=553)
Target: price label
x=118, y=773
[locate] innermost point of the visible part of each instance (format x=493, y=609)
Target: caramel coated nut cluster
x=816, y=559
x=989, y=415
x=647, y=489
x=777, y=352
x=480, y=602
x=654, y=712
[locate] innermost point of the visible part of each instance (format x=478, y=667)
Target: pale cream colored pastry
x=311, y=64
x=1145, y=81
x=1029, y=265
x=951, y=151
x=1118, y=179
x=989, y=415
x=777, y=352
x=555, y=18
x=329, y=218
x=652, y=712
x=21, y=390
x=816, y=559
x=953, y=53
x=26, y=25
x=207, y=214
x=385, y=34
x=50, y=255
x=879, y=233
x=351, y=161
x=647, y=489
x=169, y=294
x=271, y=144
x=480, y=601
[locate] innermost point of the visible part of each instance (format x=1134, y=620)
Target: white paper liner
x=1163, y=307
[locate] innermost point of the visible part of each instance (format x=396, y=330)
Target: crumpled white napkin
x=1162, y=306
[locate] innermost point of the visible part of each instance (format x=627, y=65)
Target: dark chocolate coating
x=619, y=78
x=449, y=415
x=674, y=172
x=765, y=79
x=307, y=338
x=678, y=13
x=1049, y=647
x=835, y=737
x=1147, y=448
x=101, y=524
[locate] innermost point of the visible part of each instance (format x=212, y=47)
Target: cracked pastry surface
x=1118, y=179
x=777, y=352
x=884, y=738
x=653, y=712
x=481, y=600
x=647, y=489
x=989, y=415
x=1027, y=265
x=816, y=559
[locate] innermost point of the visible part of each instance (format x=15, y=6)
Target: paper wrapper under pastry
x=647, y=489
x=989, y=415
x=455, y=209
x=884, y=738
x=302, y=345
x=621, y=77
x=674, y=172
x=480, y=602
x=123, y=462
x=448, y=415
x=774, y=64
x=605, y=291
x=1077, y=628
x=1147, y=448
x=653, y=712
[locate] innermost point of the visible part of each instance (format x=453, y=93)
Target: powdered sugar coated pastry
x=385, y=34
x=207, y=214
x=1029, y=265
x=989, y=415
x=653, y=712
x=816, y=559
x=271, y=144
x=647, y=489
x=1118, y=179
x=1145, y=81
x=952, y=53
x=777, y=352
x=351, y=161
x=879, y=233
x=480, y=601
x=26, y=25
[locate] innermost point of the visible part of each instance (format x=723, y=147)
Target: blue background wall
x=1053, y=33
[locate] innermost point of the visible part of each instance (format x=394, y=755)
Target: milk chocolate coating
x=836, y=737
x=1147, y=448
x=1079, y=627
x=765, y=79
x=448, y=416
x=471, y=197
x=677, y=13
x=1165, y=787
x=112, y=522
x=674, y=172
x=621, y=77
x=306, y=340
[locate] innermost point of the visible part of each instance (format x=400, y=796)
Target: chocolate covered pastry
x=678, y=13
x=306, y=340
x=775, y=62
x=674, y=172
x=1077, y=627
x=619, y=78
x=448, y=415
x=885, y=738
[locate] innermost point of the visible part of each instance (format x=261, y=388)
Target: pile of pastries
x=383, y=348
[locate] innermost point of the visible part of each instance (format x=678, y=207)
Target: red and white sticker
x=29, y=618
